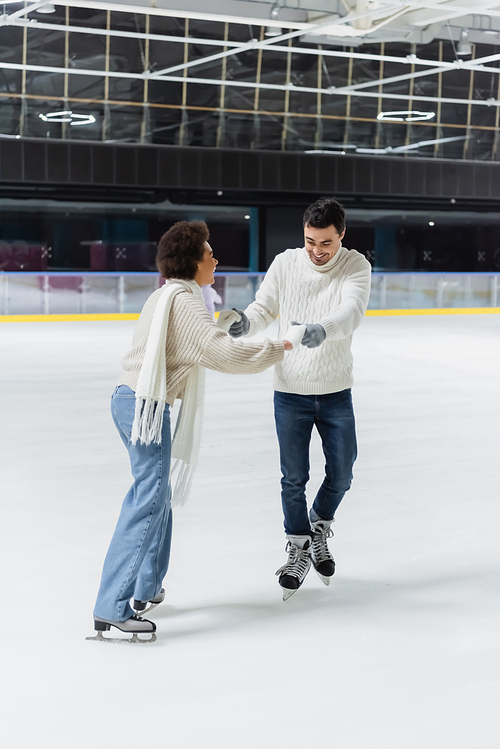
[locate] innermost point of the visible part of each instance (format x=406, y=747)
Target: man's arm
x=260, y=313
x=354, y=301
x=265, y=309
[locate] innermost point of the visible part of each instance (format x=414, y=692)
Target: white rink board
x=402, y=651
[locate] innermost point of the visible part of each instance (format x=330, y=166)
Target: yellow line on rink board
x=135, y=315
x=441, y=311
x=68, y=318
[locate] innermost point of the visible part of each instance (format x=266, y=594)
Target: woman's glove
x=241, y=326
x=314, y=336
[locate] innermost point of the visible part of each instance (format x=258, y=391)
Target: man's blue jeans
x=139, y=552
x=295, y=416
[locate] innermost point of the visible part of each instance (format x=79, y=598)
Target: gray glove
x=240, y=327
x=314, y=336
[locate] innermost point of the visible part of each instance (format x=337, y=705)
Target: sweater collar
x=191, y=285
x=327, y=266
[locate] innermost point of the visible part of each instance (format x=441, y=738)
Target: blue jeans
x=295, y=416
x=139, y=552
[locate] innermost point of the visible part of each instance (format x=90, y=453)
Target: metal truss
x=316, y=34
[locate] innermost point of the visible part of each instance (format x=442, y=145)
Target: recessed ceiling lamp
x=68, y=116
x=275, y=10
x=411, y=115
x=47, y=8
x=464, y=47
x=273, y=15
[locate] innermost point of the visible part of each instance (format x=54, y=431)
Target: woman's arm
x=224, y=354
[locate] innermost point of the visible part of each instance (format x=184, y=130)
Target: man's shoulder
x=356, y=260
x=288, y=257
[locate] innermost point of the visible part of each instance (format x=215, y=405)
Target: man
x=326, y=287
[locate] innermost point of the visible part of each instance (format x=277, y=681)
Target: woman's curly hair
x=181, y=248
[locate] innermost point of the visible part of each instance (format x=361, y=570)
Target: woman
x=174, y=341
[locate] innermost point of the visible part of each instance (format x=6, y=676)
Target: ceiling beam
x=247, y=84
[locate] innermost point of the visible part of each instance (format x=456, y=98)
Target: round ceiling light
x=411, y=115
x=68, y=116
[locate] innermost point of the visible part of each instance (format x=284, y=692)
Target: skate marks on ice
x=344, y=603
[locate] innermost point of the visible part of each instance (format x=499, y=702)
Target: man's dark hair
x=181, y=248
x=325, y=212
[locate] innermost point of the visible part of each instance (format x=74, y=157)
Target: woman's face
x=204, y=276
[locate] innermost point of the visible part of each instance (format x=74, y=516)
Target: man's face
x=322, y=244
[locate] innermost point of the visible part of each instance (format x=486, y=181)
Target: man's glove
x=314, y=336
x=241, y=326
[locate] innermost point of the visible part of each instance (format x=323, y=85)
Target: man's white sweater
x=335, y=295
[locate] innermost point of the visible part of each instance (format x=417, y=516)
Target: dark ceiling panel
x=147, y=166
x=270, y=170
x=363, y=173
x=168, y=166
x=433, y=178
x=308, y=169
x=80, y=161
x=11, y=160
x=210, y=168
x=34, y=162
x=103, y=164
x=125, y=165
x=57, y=162
x=329, y=174
x=189, y=175
x=417, y=184
x=254, y=169
x=247, y=174
x=398, y=177
x=290, y=172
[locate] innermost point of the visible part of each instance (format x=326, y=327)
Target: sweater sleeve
x=193, y=330
x=223, y=354
x=354, y=301
x=265, y=309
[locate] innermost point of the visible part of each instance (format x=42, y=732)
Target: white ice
x=402, y=651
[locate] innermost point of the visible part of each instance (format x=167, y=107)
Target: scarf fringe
x=148, y=420
x=181, y=478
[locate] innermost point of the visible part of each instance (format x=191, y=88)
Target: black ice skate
x=144, y=607
x=134, y=626
x=293, y=573
x=322, y=560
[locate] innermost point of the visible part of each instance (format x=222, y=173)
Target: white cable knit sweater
x=334, y=295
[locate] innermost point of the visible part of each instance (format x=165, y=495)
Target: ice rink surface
x=402, y=651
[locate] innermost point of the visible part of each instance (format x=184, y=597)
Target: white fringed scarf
x=151, y=397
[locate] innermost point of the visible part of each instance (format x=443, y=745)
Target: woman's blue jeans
x=139, y=552
x=296, y=415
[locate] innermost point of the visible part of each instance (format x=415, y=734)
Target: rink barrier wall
x=135, y=316
x=36, y=296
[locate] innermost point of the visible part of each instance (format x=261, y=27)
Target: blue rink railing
x=78, y=292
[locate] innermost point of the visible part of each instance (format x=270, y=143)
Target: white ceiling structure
x=334, y=29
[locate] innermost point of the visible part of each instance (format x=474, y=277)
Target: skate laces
x=320, y=546
x=297, y=563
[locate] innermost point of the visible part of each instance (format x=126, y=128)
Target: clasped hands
x=313, y=337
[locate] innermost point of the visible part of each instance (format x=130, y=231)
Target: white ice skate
x=134, y=626
x=293, y=573
x=322, y=559
x=144, y=607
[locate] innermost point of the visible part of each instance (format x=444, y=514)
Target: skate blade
x=288, y=593
x=323, y=578
x=99, y=637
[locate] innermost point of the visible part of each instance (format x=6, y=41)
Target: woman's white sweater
x=194, y=338
x=335, y=295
